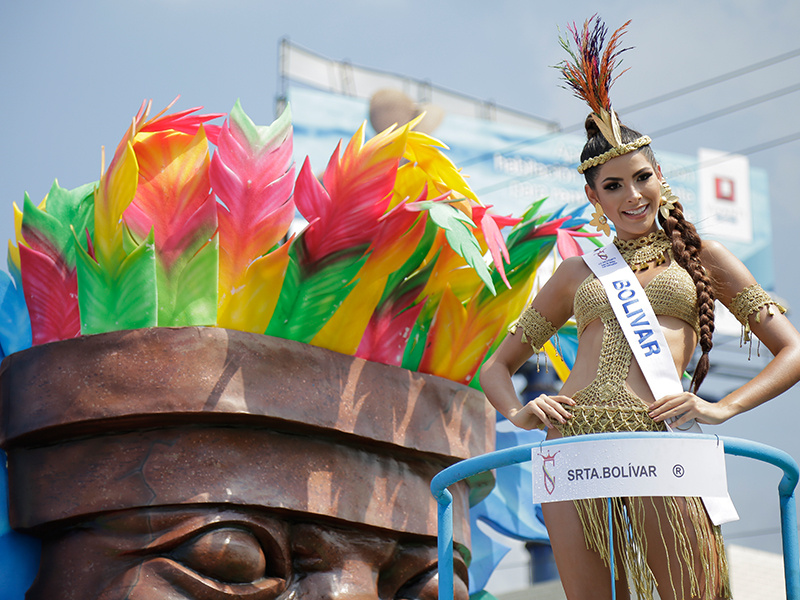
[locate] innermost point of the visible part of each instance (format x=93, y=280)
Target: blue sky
x=74, y=73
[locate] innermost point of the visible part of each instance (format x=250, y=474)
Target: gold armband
x=750, y=301
x=536, y=329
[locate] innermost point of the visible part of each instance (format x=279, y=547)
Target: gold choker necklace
x=640, y=252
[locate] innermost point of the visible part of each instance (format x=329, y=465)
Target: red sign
x=725, y=188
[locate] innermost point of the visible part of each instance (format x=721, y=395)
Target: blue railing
x=519, y=454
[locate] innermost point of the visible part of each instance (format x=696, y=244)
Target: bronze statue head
x=207, y=463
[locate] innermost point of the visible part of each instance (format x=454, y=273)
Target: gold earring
x=668, y=200
x=599, y=219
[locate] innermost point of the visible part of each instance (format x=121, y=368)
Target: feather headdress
x=590, y=75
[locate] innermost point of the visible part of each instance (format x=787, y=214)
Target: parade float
x=198, y=401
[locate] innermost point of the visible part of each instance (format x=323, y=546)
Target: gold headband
x=613, y=153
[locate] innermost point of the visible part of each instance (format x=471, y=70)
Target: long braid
x=686, y=245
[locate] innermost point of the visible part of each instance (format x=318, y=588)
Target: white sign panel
x=629, y=467
x=724, y=182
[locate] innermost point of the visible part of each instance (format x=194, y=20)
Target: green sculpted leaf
x=121, y=298
x=461, y=239
x=312, y=294
x=189, y=297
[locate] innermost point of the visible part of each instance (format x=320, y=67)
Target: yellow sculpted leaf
x=18, y=224
x=250, y=305
x=344, y=330
x=450, y=319
x=115, y=192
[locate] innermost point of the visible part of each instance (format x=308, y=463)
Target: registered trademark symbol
x=677, y=470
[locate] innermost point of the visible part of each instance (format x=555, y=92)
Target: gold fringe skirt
x=692, y=545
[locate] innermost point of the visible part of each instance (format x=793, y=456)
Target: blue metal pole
x=791, y=560
x=786, y=499
x=445, y=544
x=611, y=547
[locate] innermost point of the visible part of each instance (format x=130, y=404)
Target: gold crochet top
x=607, y=404
x=671, y=293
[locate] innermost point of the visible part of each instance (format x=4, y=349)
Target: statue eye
x=227, y=554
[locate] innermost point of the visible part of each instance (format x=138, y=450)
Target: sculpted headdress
x=590, y=75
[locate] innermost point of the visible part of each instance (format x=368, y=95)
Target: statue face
x=213, y=464
x=219, y=554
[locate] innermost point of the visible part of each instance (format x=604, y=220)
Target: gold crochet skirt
x=687, y=533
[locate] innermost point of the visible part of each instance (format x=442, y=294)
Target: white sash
x=649, y=346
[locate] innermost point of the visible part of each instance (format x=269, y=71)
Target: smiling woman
x=671, y=543
x=629, y=195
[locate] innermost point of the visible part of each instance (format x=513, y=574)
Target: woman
x=671, y=541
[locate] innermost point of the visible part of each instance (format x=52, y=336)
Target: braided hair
x=686, y=242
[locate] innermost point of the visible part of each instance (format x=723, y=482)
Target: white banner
x=657, y=466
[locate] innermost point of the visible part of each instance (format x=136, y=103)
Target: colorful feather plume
x=345, y=215
x=456, y=264
x=48, y=261
x=463, y=335
x=116, y=289
x=392, y=336
x=590, y=75
x=174, y=200
x=119, y=276
x=393, y=245
x=427, y=173
x=391, y=266
x=442, y=176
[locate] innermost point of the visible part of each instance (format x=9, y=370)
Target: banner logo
x=549, y=478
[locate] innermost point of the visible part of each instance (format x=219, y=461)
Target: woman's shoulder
x=574, y=266
x=571, y=272
x=728, y=273
x=551, y=300
x=712, y=250
x=714, y=255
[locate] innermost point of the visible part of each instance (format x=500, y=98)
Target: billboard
x=511, y=165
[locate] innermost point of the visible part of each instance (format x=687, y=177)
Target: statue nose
x=353, y=580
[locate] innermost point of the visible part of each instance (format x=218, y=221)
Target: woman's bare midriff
x=681, y=339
